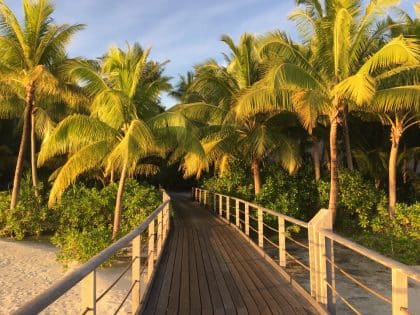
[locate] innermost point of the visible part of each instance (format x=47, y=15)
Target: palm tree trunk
x=34, y=167
x=327, y=158
x=256, y=174
x=332, y=206
x=404, y=168
x=317, y=162
x=119, y=204
x=30, y=95
x=347, y=140
x=395, y=139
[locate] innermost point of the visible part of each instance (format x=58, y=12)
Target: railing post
x=136, y=274
x=228, y=209
x=151, y=250
x=399, y=292
x=320, y=255
x=237, y=212
x=220, y=205
x=247, y=219
x=159, y=233
x=205, y=198
x=282, y=242
x=89, y=293
x=260, y=228
x=214, y=203
x=199, y=196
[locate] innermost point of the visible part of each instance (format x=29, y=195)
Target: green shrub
x=30, y=217
x=397, y=237
x=237, y=183
x=357, y=200
x=86, y=217
x=294, y=195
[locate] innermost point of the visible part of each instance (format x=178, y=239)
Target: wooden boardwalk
x=209, y=268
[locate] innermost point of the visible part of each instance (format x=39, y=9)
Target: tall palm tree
x=231, y=134
x=344, y=65
x=28, y=50
x=113, y=137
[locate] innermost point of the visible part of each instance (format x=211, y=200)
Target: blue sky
x=185, y=32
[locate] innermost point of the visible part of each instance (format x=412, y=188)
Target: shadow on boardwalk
x=208, y=268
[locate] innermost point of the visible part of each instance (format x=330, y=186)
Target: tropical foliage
x=326, y=119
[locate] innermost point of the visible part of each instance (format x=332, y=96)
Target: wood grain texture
x=210, y=269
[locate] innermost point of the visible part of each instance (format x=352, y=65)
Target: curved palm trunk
x=317, y=161
x=332, y=206
x=256, y=174
x=347, y=140
x=119, y=204
x=30, y=96
x=34, y=167
x=395, y=140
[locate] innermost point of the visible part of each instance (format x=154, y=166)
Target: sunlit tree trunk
x=347, y=140
x=396, y=132
x=317, y=161
x=119, y=204
x=30, y=96
x=34, y=167
x=404, y=168
x=256, y=174
x=332, y=206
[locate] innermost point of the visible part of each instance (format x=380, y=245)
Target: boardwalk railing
x=267, y=229
x=151, y=235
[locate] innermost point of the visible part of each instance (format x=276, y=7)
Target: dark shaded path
x=208, y=268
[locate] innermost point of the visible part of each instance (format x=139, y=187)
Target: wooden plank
x=184, y=295
x=241, y=279
x=205, y=298
x=195, y=300
x=249, y=267
x=157, y=294
x=221, y=287
x=173, y=302
x=230, y=283
x=216, y=299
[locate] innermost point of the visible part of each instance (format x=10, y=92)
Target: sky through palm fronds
x=183, y=31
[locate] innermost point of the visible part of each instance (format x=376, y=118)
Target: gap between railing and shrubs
x=156, y=227
x=320, y=238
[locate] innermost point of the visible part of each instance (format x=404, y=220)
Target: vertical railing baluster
x=89, y=293
x=220, y=205
x=282, y=241
x=151, y=250
x=237, y=212
x=136, y=274
x=228, y=209
x=260, y=228
x=247, y=219
x=159, y=233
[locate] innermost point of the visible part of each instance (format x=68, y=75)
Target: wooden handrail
x=46, y=298
x=383, y=260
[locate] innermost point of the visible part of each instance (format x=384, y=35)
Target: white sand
x=27, y=268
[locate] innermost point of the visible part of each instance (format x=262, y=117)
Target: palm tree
x=230, y=133
x=343, y=67
x=28, y=50
x=182, y=91
x=113, y=137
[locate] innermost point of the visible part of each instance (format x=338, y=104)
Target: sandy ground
x=28, y=268
x=372, y=274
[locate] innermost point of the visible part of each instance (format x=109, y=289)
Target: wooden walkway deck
x=208, y=268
